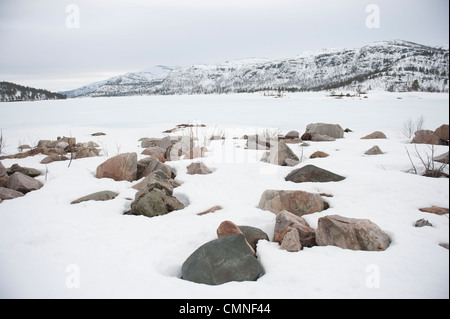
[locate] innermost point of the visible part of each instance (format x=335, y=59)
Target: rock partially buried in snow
x=211, y=210
x=443, y=132
x=122, y=167
x=32, y=172
x=291, y=241
x=156, y=151
x=331, y=130
x=6, y=193
x=314, y=174
x=319, y=154
x=322, y=138
x=23, y=183
x=253, y=235
x=374, y=151
x=444, y=158
x=83, y=152
x=279, y=153
x=292, y=135
x=286, y=221
x=374, y=135
x=426, y=137
x=155, y=199
x=297, y=202
x=98, y=196
x=222, y=260
x=435, y=210
x=151, y=164
x=53, y=158
x=198, y=169
x=351, y=233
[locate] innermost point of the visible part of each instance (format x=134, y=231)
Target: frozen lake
x=294, y=111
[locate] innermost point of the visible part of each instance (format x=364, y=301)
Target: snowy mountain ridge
x=388, y=65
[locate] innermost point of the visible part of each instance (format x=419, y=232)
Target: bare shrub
x=410, y=127
x=2, y=142
x=428, y=167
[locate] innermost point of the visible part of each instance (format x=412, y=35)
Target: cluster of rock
x=172, y=148
x=17, y=181
x=293, y=233
x=57, y=150
x=230, y=257
x=440, y=136
x=155, y=191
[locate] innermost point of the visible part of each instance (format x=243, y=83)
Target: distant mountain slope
x=10, y=92
x=390, y=65
x=128, y=84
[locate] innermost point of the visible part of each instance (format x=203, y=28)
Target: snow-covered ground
x=52, y=249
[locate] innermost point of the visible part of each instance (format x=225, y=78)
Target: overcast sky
x=40, y=47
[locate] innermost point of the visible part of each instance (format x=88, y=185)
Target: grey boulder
x=331, y=130
x=222, y=260
x=314, y=174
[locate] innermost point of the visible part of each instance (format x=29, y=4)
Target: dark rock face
x=222, y=260
x=311, y=173
x=155, y=199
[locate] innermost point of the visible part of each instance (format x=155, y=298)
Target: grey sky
x=119, y=36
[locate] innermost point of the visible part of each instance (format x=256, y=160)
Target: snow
x=52, y=249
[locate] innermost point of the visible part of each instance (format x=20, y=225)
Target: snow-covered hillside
x=397, y=65
x=50, y=248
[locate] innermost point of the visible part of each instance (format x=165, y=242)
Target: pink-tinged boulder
x=286, y=221
x=435, y=210
x=374, y=135
x=297, y=202
x=155, y=151
x=426, y=137
x=351, y=233
x=443, y=132
x=122, y=167
x=211, y=210
x=23, y=183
